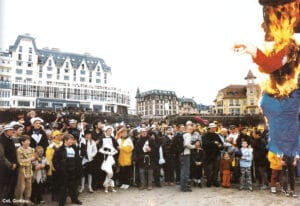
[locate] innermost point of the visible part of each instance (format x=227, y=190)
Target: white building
x=51, y=79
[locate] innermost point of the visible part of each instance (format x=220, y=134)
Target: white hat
x=71, y=121
x=34, y=119
x=212, y=125
x=8, y=127
x=189, y=122
x=108, y=127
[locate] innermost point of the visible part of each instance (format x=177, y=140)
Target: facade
x=239, y=99
x=158, y=104
x=187, y=106
x=50, y=79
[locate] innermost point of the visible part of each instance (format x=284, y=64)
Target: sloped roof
x=156, y=92
x=60, y=57
x=250, y=75
x=234, y=91
x=187, y=100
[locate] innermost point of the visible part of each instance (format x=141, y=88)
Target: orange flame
x=282, y=21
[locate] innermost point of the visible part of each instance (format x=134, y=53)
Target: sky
x=179, y=45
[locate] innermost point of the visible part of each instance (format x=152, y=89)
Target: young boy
x=25, y=156
x=245, y=166
x=66, y=162
x=40, y=167
x=197, y=157
x=276, y=166
x=225, y=170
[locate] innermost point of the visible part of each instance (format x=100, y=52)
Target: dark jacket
x=75, y=132
x=242, y=137
x=197, y=156
x=7, y=158
x=43, y=142
x=225, y=165
x=212, y=151
x=259, y=151
x=142, y=156
x=167, y=147
x=61, y=166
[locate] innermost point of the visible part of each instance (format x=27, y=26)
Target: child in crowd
x=245, y=166
x=276, y=166
x=197, y=157
x=225, y=170
x=288, y=174
x=40, y=167
x=25, y=156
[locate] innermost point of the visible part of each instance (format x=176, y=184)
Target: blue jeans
x=184, y=171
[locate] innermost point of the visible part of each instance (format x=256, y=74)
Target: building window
x=98, y=74
x=66, y=70
x=67, y=64
x=23, y=103
x=41, y=69
x=30, y=50
x=29, y=72
x=20, y=48
x=19, y=56
x=58, y=70
x=251, y=101
x=18, y=79
x=66, y=78
x=30, y=58
x=29, y=79
x=50, y=63
x=19, y=71
x=98, y=68
x=82, y=79
x=82, y=66
x=19, y=63
x=49, y=69
x=82, y=72
x=29, y=65
x=49, y=76
x=40, y=75
x=98, y=81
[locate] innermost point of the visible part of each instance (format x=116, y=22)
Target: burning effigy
x=280, y=100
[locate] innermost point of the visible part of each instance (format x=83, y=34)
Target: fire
x=281, y=27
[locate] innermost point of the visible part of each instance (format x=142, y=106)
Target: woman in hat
x=125, y=157
x=109, y=148
x=38, y=137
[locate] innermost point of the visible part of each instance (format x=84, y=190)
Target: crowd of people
x=62, y=158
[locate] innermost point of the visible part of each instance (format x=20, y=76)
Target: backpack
x=177, y=144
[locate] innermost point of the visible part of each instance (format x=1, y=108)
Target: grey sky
x=180, y=45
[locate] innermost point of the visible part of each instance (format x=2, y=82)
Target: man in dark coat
x=66, y=162
x=260, y=152
x=145, y=155
x=8, y=165
x=212, y=145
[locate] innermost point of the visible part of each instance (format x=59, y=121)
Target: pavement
x=171, y=195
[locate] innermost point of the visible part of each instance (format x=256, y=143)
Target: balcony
x=5, y=85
